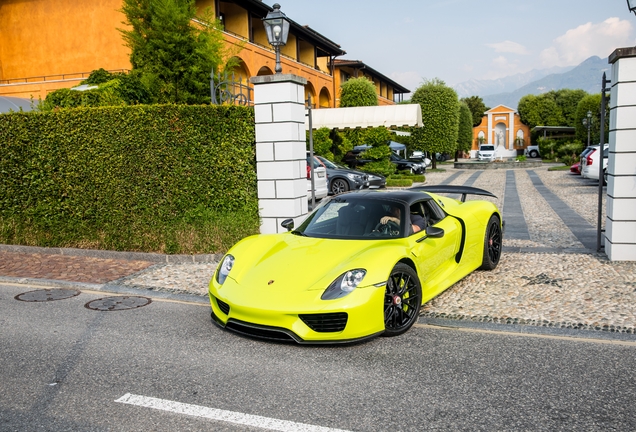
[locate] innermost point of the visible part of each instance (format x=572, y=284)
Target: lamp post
x=277, y=29
x=631, y=4
x=587, y=122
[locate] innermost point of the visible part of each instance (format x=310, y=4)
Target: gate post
x=620, y=226
x=281, y=161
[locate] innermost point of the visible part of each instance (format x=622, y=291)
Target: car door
x=436, y=257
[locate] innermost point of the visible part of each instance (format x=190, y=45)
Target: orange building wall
x=60, y=36
x=484, y=127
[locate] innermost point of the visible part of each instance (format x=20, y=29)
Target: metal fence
x=233, y=90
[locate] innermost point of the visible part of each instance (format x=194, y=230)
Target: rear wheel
x=605, y=177
x=402, y=300
x=492, y=244
x=339, y=186
x=534, y=154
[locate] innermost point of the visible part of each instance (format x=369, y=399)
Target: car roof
x=405, y=196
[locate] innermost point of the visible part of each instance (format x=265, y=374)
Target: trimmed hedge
x=126, y=178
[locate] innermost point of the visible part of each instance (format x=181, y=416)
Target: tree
x=464, y=130
x=358, y=92
x=568, y=101
x=591, y=103
x=322, y=142
x=378, y=138
x=174, y=53
x=540, y=111
x=440, y=116
x=477, y=108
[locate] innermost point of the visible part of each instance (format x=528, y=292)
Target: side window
x=434, y=212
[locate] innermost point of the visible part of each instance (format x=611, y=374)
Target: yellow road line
x=539, y=336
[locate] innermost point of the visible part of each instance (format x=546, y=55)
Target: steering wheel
x=390, y=228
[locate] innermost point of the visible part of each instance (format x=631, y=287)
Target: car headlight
x=354, y=177
x=224, y=269
x=344, y=284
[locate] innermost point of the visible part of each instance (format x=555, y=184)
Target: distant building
x=51, y=44
x=501, y=126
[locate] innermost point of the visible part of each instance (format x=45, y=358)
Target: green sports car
x=360, y=265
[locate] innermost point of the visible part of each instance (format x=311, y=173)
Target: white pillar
x=620, y=224
x=511, y=131
x=281, y=161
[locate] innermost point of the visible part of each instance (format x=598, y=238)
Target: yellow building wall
x=236, y=19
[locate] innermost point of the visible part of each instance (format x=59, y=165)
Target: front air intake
x=326, y=322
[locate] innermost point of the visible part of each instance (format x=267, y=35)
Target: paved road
x=64, y=366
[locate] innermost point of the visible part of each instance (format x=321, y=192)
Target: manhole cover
x=118, y=303
x=44, y=295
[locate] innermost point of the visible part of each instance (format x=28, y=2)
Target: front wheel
x=492, y=244
x=339, y=186
x=402, y=300
x=534, y=154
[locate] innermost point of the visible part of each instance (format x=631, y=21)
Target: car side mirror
x=288, y=224
x=434, y=232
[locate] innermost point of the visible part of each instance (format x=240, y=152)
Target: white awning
x=364, y=117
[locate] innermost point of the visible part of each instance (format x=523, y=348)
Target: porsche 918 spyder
x=360, y=265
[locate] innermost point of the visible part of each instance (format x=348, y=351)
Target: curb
x=105, y=254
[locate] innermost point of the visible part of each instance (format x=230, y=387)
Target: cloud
x=502, y=67
x=587, y=40
x=509, y=47
x=411, y=79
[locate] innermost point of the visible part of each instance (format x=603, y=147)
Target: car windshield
x=354, y=217
x=329, y=164
x=487, y=148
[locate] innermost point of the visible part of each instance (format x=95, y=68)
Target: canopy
x=8, y=104
x=364, y=117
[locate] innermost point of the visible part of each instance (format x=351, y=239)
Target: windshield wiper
x=299, y=233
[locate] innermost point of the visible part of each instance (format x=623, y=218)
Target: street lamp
x=277, y=28
x=587, y=122
x=631, y=4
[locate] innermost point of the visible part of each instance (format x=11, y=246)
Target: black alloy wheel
x=339, y=186
x=402, y=300
x=492, y=244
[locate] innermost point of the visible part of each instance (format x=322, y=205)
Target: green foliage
x=477, y=108
x=174, y=56
x=399, y=182
x=322, y=142
x=98, y=76
x=465, y=128
x=591, y=103
x=160, y=178
x=540, y=110
x=358, y=92
x=567, y=100
x=547, y=147
x=521, y=158
x=119, y=89
x=377, y=136
x=440, y=115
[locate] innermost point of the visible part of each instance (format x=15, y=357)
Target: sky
x=411, y=41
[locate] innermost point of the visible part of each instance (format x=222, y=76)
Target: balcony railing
x=49, y=78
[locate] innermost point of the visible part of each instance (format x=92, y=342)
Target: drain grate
x=44, y=295
x=118, y=303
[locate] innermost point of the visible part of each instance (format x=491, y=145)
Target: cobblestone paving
x=67, y=268
x=572, y=290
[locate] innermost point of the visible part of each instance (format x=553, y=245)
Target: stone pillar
x=281, y=161
x=620, y=225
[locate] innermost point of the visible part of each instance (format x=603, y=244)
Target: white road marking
x=222, y=415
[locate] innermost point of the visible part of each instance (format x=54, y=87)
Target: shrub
x=160, y=178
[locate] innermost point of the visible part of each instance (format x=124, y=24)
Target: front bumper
x=286, y=316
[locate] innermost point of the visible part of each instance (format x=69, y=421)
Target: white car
x=321, y=188
x=589, y=166
x=532, y=151
x=486, y=152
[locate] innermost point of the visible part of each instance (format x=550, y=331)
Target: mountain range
x=509, y=90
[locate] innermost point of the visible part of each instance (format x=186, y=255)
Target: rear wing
x=463, y=190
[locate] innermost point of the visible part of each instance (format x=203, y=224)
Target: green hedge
x=161, y=178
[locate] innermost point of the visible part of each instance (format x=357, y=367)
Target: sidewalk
x=546, y=277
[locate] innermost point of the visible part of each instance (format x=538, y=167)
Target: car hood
x=294, y=263
x=337, y=171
